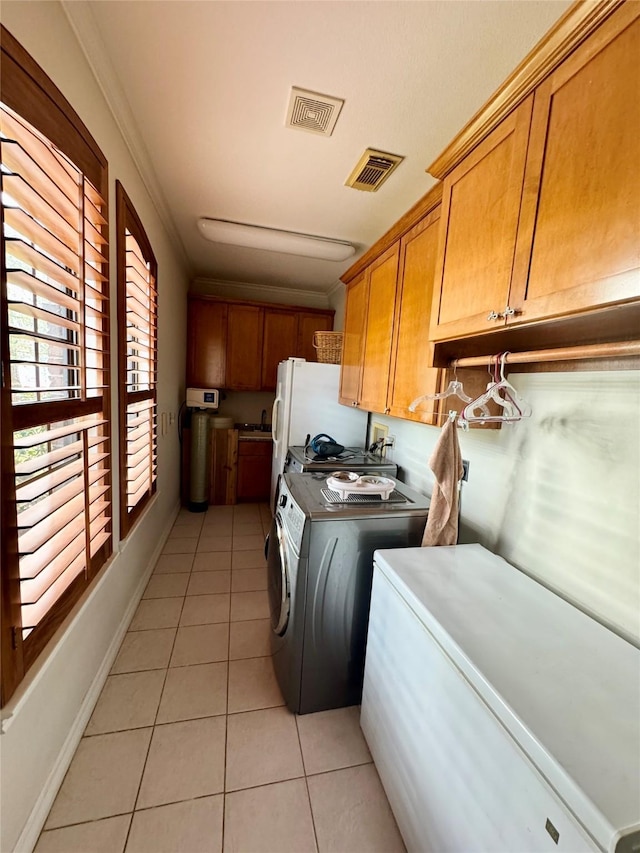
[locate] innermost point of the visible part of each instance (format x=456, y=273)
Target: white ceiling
x=201, y=87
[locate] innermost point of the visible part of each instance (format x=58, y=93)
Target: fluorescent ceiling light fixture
x=274, y=240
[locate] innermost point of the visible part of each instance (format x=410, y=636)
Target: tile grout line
x=306, y=784
x=166, y=675
x=226, y=719
x=84, y=735
x=226, y=742
x=153, y=728
x=165, y=669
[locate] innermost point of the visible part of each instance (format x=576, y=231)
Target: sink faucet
x=263, y=418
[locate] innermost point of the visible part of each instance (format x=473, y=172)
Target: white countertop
x=567, y=688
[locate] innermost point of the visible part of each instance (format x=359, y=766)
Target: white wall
x=259, y=293
x=338, y=301
x=43, y=720
x=247, y=406
x=557, y=495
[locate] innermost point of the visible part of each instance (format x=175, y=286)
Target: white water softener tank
x=200, y=400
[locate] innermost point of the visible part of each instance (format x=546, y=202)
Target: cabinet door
x=353, y=340
x=383, y=275
x=307, y=325
x=411, y=375
x=244, y=348
x=581, y=207
x=254, y=470
x=206, y=343
x=279, y=343
x=480, y=211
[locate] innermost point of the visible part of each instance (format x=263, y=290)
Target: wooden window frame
x=127, y=220
x=30, y=93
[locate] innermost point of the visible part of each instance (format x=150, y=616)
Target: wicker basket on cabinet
x=328, y=346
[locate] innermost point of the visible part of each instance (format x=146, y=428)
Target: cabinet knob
x=494, y=315
x=387, y=410
x=510, y=312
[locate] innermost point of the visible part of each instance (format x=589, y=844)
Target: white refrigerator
x=306, y=403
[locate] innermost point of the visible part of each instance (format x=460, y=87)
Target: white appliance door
x=315, y=408
x=307, y=404
x=280, y=424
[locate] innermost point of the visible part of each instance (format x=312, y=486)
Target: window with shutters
x=137, y=355
x=56, y=473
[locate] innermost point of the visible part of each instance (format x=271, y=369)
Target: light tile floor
x=190, y=748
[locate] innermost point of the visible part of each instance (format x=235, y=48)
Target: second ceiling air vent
x=313, y=112
x=372, y=170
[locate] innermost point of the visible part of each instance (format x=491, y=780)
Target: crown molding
x=85, y=28
x=259, y=292
x=335, y=289
x=578, y=22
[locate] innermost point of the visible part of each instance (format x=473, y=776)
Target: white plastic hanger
x=502, y=392
x=454, y=389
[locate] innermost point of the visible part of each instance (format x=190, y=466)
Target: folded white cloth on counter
x=446, y=464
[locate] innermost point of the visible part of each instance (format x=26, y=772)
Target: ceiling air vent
x=313, y=112
x=372, y=170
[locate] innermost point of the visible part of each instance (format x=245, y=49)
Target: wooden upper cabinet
x=238, y=345
x=244, y=347
x=382, y=274
x=540, y=219
x=353, y=340
x=308, y=323
x=579, y=243
x=279, y=342
x=206, y=344
x=411, y=375
x=479, y=223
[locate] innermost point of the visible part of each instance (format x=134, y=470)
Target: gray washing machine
x=320, y=567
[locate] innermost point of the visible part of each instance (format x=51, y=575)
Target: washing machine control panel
x=292, y=516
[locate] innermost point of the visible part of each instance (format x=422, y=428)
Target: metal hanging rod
x=612, y=350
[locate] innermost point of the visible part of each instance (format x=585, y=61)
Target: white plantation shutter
x=137, y=322
x=56, y=502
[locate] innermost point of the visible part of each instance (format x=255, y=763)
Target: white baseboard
x=36, y=820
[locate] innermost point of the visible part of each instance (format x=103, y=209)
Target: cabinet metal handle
x=494, y=315
x=386, y=411
x=511, y=312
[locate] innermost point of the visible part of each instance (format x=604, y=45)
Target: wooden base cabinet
x=253, y=481
x=540, y=219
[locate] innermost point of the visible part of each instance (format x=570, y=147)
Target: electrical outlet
x=379, y=432
x=388, y=447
